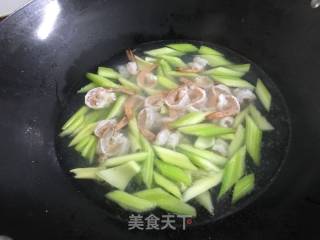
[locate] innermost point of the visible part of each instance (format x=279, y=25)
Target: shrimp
x=145, y=78
x=244, y=94
x=113, y=143
x=149, y=120
x=230, y=107
x=99, y=97
x=131, y=104
x=104, y=126
x=196, y=66
x=155, y=101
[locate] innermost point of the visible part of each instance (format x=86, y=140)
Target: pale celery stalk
x=202, y=163
x=73, y=126
x=167, y=184
x=108, y=73
x=205, y=130
x=238, y=140
x=114, y=161
x=209, y=51
x=86, y=131
x=204, y=142
x=134, y=142
x=240, y=117
x=101, y=81
x=204, y=199
x=182, y=74
x=224, y=71
x=189, y=119
x=79, y=147
x=263, y=94
x=216, y=60
x=228, y=136
x=163, y=51
x=240, y=67
x=259, y=119
x=253, y=140
x=166, y=82
x=173, y=61
x=85, y=173
x=183, y=47
x=165, y=66
x=148, y=165
x=81, y=112
x=243, y=187
x=233, y=81
x=87, y=150
x=128, y=84
x=117, y=108
x=87, y=88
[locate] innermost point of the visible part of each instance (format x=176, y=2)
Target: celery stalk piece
x=159, y=71
x=173, y=173
x=173, y=61
x=142, y=63
x=202, y=162
x=201, y=185
x=253, y=140
x=92, y=151
x=204, y=199
x=233, y=171
x=240, y=117
x=259, y=119
x=209, y=51
x=232, y=81
x=263, y=94
x=167, y=202
x=120, y=176
x=240, y=67
x=205, y=130
x=96, y=115
x=101, y=81
x=117, y=109
x=148, y=165
x=181, y=74
x=79, y=147
x=204, y=142
x=133, y=127
x=225, y=71
x=163, y=51
x=183, y=47
x=89, y=146
x=114, y=161
x=130, y=202
x=134, y=143
x=167, y=184
x=189, y=119
x=86, y=173
x=208, y=155
x=165, y=66
x=166, y=82
x=228, y=136
x=81, y=112
x=238, y=140
x=76, y=124
x=108, y=73
x=150, y=59
x=128, y=84
x=243, y=187
x=174, y=158
x=216, y=60
x=87, y=88
x=82, y=134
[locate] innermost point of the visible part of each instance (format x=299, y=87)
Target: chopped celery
x=174, y=158
x=117, y=108
x=120, y=176
x=159, y=71
x=150, y=59
x=202, y=162
x=87, y=88
x=238, y=140
x=228, y=136
x=209, y=51
x=130, y=202
x=133, y=127
x=225, y=71
x=89, y=150
x=96, y=115
x=165, y=66
x=114, y=161
x=79, y=147
x=128, y=84
x=189, y=119
x=204, y=142
x=167, y=184
x=101, y=81
x=240, y=117
x=173, y=173
x=263, y=94
x=205, y=130
x=166, y=82
x=243, y=187
x=182, y=74
x=166, y=201
x=208, y=155
x=173, y=61
x=134, y=142
x=86, y=173
x=240, y=67
x=81, y=112
x=233, y=171
x=201, y=185
x=82, y=134
x=92, y=151
x=204, y=199
x=147, y=169
x=183, y=47
x=142, y=63
x=79, y=121
x=163, y=51
x=253, y=140
x=216, y=60
x=259, y=120
x=233, y=82
x=108, y=73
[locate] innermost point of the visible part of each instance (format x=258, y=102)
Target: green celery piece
x=166, y=201
x=108, y=73
x=142, y=63
x=225, y=71
x=253, y=140
x=182, y=74
x=201, y=185
x=117, y=109
x=228, y=136
x=166, y=82
x=163, y=51
x=204, y=199
x=87, y=88
x=173, y=173
x=96, y=115
x=76, y=124
x=148, y=166
x=130, y=202
x=101, y=81
x=133, y=127
x=232, y=81
x=79, y=147
x=114, y=161
x=165, y=66
x=216, y=60
x=205, y=130
x=243, y=187
x=238, y=140
x=233, y=171
x=87, y=150
x=134, y=142
x=174, y=158
x=159, y=71
x=183, y=47
x=121, y=175
x=263, y=94
x=92, y=152
x=202, y=162
x=166, y=184
x=209, y=51
x=240, y=67
x=150, y=59
x=86, y=131
x=259, y=119
x=208, y=155
x=81, y=112
x=189, y=119
x=128, y=84
x=204, y=142
x=240, y=117
x=85, y=173
x=173, y=61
